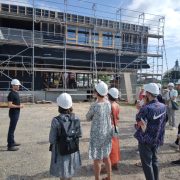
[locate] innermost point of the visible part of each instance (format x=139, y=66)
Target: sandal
x=106, y=178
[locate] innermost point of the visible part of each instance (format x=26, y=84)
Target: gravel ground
x=32, y=161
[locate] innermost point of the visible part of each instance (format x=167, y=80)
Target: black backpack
x=68, y=134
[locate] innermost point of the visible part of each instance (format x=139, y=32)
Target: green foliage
x=104, y=78
x=171, y=76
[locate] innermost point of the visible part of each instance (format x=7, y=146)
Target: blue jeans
x=149, y=160
x=12, y=126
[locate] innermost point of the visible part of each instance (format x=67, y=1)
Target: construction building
x=65, y=50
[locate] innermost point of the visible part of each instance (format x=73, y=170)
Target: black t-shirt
x=15, y=99
x=160, y=99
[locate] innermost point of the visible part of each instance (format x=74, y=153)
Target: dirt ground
x=32, y=161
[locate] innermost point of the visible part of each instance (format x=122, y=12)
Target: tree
x=172, y=75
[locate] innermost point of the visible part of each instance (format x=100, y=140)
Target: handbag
x=175, y=105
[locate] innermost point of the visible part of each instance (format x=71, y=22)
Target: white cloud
x=18, y=2
x=171, y=10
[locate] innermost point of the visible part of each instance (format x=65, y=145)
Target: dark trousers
x=12, y=126
x=177, y=140
x=149, y=160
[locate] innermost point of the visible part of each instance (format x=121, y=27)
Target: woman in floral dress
x=101, y=131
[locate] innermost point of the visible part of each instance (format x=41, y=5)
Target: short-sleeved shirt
x=154, y=114
x=15, y=99
x=171, y=93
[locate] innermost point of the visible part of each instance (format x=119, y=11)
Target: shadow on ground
x=41, y=175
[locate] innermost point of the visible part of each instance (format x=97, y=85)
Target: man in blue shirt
x=151, y=120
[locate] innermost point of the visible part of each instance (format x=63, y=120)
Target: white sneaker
x=173, y=128
x=174, y=145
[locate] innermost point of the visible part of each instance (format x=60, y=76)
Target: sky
x=168, y=8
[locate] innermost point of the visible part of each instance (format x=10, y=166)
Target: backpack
x=68, y=134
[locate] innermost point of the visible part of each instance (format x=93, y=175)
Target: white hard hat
x=15, y=82
x=152, y=88
x=159, y=85
x=102, y=88
x=114, y=93
x=171, y=84
x=178, y=82
x=64, y=100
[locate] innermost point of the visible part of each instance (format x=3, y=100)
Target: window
x=99, y=22
x=105, y=23
x=123, y=26
x=87, y=20
x=83, y=36
x=51, y=28
x=111, y=23
x=57, y=29
x=81, y=19
x=93, y=21
x=71, y=34
x=135, y=39
x=45, y=13
x=68, y=17
x=52, y=14
x=38, y=12
x=117, y=41
x=21, y=10
x=5, y=7
x=116, y=25
x=13, y=9
x=145, y=40
x=126, y=38
x=107, y=39
x=74, y=18
x=61, y=16
x=45, y=27
x=95, y=38
x=29, y=11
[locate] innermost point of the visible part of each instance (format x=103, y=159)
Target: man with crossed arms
x=150, y=125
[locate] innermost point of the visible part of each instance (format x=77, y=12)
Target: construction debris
x=43, y=102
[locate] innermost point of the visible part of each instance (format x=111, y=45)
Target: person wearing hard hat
x=176, y=144
x=64, y=165
x=171, y=96
x=101, y=130
x=113, y=95
x=150, y=129
x=14, y=105
x=141, y=93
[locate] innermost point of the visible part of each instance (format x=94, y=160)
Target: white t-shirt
x=172, y=93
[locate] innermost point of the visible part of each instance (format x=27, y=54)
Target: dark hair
x=98, y=93
x=111, y=98
x=65, y=111
x=153, y=95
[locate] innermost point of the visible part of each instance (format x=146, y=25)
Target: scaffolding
x=129, y=33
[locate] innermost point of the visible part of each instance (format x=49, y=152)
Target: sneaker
x=13, y=148
x=174, y=145
x=173, y=128
x=16, y=144
x=177, y=162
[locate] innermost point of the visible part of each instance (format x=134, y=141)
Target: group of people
x=104, y=147
x=168, y=97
